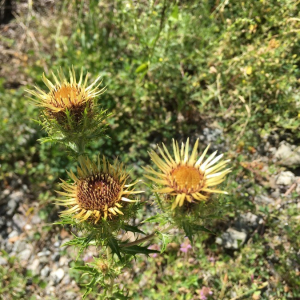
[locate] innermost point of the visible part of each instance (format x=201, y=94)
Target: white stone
x=288, y=155
x=45, y=271
x=58, y=275
x=13, y=234
x=3, y=261
x=285, y=178
x=25, y=254
x=232, y=239
x=34, y=266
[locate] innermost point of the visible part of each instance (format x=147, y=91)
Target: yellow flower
x=187, y=177
x=66, y=95
x=97, y=192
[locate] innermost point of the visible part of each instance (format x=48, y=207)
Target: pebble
x=18, y=222
x=55, y=257
x=45, y=271
x=19, y=246
x=63, y=261
x=56, y=244
x=13, y=234
x=3, y=261
x=25, y=254
x=58, y=275
x=247, y=221
x=288, y=155
x=34, y=266
x=27, y=227
x=232, y=239
x=13, y=199
x=285, y=178
x=44, y=253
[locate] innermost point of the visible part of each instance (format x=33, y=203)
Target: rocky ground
x=39, y=246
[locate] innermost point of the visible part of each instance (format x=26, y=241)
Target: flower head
x=66, y=96
x=188, y=177
x=205, y=292
x=99, y=191
x=185, y=246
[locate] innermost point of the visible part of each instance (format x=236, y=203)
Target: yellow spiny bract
x=187, y=177
x=98, y=191
x=64, y=95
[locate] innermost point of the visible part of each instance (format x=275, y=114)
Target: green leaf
x=142, y=68
x=85, y=269
x=114, y=246
x=132, y=228
x=188, y=230
x=174, y=14
x=120, y=296
x=133, y=250
x=165, y=238
x=201, y=228
x=156, y=219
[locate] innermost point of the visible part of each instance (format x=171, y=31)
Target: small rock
x=232, y=239
x=3, y=261
x=2, y=222
x=45, y=271
x=263, y=200
x=56, y=256
x=70, y=295
x=247, y=221
x=285, y=178
x=56, y=244
x=35, y=220
x=44, y=253
x=13, y=234
x=58, y=275
x=19, y=246
x=288, y=155
x=34, y=266
x=13, y=200
x=19, y=222
x=63, y=261
x=4, y=194
x=25, y=254
x=27, y=227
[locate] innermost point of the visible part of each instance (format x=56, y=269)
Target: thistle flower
x=99, y=191
x=66, y=96
x=187, y=177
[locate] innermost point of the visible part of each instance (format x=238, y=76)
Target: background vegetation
x=172, y=69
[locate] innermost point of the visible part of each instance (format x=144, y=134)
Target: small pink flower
x=204, y=292
x=185, y=246
x=88, y=258
x=154, y=247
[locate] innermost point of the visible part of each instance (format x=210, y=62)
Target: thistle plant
x=70, y=114
x=100, y=199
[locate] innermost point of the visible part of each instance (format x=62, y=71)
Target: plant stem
x=111, y=289
x=148, y=237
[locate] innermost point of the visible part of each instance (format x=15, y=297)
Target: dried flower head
x=67, y=96
x=98, y=192
x=187, y=177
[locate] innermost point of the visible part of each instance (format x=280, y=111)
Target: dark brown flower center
x=185, y=179
x=95, y=192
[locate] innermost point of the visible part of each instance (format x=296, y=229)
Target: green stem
x=80, y=147
x=148, y=237
x=111, y=288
